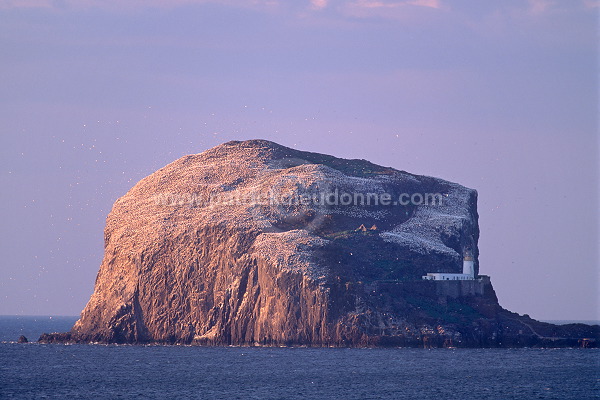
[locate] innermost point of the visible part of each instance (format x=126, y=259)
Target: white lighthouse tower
x=468, y=272
x=469, y=265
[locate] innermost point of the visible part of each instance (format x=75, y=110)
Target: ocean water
x=34, y=371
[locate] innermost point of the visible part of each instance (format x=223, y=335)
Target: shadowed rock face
x=246, y=244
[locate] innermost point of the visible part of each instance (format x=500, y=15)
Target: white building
x=468, y=273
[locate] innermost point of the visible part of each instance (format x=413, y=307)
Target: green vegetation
x=358, y=168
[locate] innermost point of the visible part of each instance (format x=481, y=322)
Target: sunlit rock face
x=253, y=243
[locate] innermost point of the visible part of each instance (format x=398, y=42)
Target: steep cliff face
x=255, y=243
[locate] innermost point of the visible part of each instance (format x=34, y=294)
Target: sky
x=501, y=97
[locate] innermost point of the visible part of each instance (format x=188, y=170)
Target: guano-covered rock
x=253, y=243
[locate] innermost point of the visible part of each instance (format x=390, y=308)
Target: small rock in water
x=22, y=339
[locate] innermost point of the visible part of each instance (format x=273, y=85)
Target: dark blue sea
x=35, y=371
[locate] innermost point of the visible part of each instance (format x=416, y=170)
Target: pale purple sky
x=498, y=96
